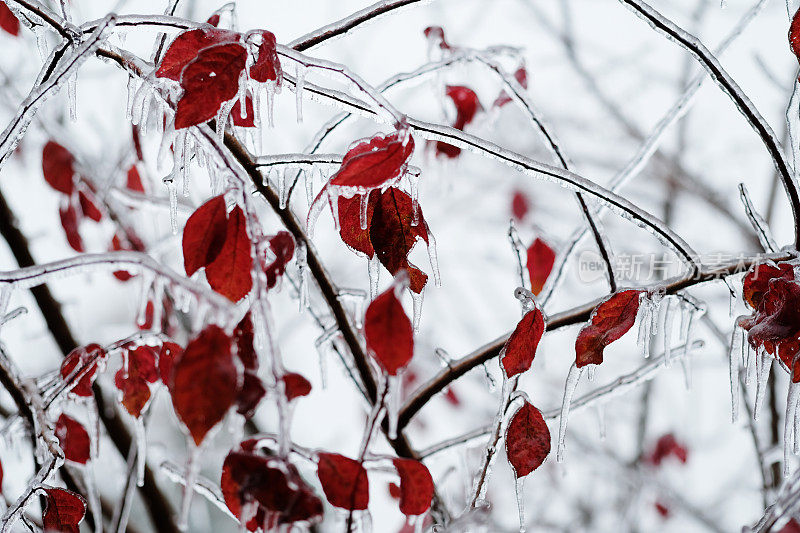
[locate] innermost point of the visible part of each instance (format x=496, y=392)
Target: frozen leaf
x=134, y=180
x=540, y=263
x=64, y=511
x=374, y=162
x=610, y=320
x=73, y=439
x=527, y=440
x=58, y=167
x=757, y=279
x=229, y=273
x=250, y=394
x=466, y=102
x=268, y=66
x=208, y=81
x=794, y=34
x=295, y=386
x=668, y=446
x=249, y=115
x=8, y=22
x=344, y=481
x=435, y=35
x=520, y=206
x=204, y=382
x=133, y=382
x=350, y=228
x=69, y=221
x=520, y=349
x=187, y=45
x=388, y=331
x=213, y=20
x=776, y=322
x=126, y=241
x=204, y=235
x=276, y=488
x=89, y=207
x=282, y=247
x=243, y=339
x=416, y=486
x=166, y=357
x=84, y=359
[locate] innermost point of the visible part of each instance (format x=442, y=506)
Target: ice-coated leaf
x=166, y=357
x=275, y=487
x=344, y=481
x=204, y=382
x=757, y=279
x=74, y=439
x=268, y=66
x=667, y=446
x=84, y=359
x=416, y=486
x=8, y=22
x=250, y=394
x=610, y=320
x=794, y=34
x=295, y=386
x=374, y=162
x=208, y=81
x=133, y=382
x=229, y=273
x=527, y=440
x=390, y=337
x=466, y=102
x=187, y=45
x=134, y=180
x=89, y=206
x=243, y=340
x=64, y=511
x=520, y=349
x=204, y=235
x=282, y=247
x=520, y=206
x=69, y=221
x=58, y=167
x=350, y=228
x=540, y=263
x=777, y=320
x=249, y=115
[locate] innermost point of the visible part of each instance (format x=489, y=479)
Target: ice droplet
x=569, y=390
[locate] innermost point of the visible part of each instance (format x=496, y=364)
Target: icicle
x=413, y=180
x=364, y=210
x=146, y=284
x=669, y=321
x=222, y=119
x=192, y=469
x=761, y=382
x=72, y=97
x=374, y=269
x=93, y=417
x=93, y=497
x=323, y=366
x=173, y=205
x=301, y=255
x=416, y=298
x=686, y=366
x=519, y=485
x=569, y=390
x=148, y=97
x=433, y=257
x=731, y=296
x=41, y=44
x=749, y=364
x=394, y=398
x=333, y=201
x=137, y=108
x=164, y=148
x=283, y=193
x=141, y=451
x=270, y=90
x=308, y=180
x=132, y=87
x=645, y=322
x=590, y=370
x=789, y=433
x=601, y=419
x=300, y=74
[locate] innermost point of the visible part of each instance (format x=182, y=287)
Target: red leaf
x=275, y=487
x=344, y=481
x=243, y=338
x=249, y=118
x=756, y=281
x=204, y=235
x=663, y=510
x=127, y=241
x=134, y=180
x=187, y=46
x=794, y=34
x=58, y=167
x=466, y=102
x=295, y=386
x=208, y=81
x=374, y=162
x=250, y=394
x=69, y=221
x=8, y=21
x=527, y=440
x=668, y=446
x=390, y=337
x=64, y=511
x=350, y=223
x=520, y=206
x=73, y=438
x=540, y=263
x=416, y=486
x=792, y=526
x=141, y=370
x=522, y=77
x=204, y=382
x=268, y=66
x=520, y=349
x=610, y=321
x=166, y=357
x=89, y=207
x=282, y=246
x=213, y=20
x=777, y=320
x=85, y=360
x=435, y=34
x=229, y=273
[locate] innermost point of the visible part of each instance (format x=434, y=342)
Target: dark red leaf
x=540, y=263
x=8, y=21
x=777, y=320
x=610, y=321
x=520, y=349
x=374, y=162
x=89, y=207
x=350, y=223
x=344, y=481
x=416, y=486
x=208, y=81
x=58, y=167
x=73, y=438
x=250, y=394
x=127, y=241
x=527, y=440
x=249, y=115
x=390, y=337
x=520, y=206
x=435, y=35
x=757, y=279
x=243, y=338
x=133, y=382
x=187, y=46
x=204, y=235
x=69, y=221
x=394, y=491
x=295, y=386
x=447, y=150
x=134, y=180
x=466, y=102
x=792, y=526
x=85, y=360
x=64, y=511
x=204, y=382
x=213, y=20
x=278, y=490
x=794, y=34
x=668, y=446
x=230, y=272
x=166, y=357
x=282, y=246
x=267, y=67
